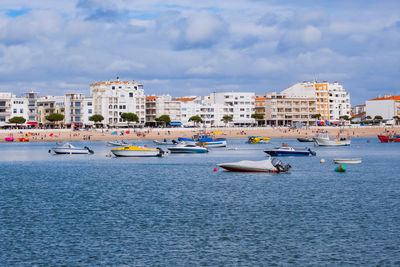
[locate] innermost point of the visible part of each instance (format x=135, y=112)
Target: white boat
x=268, y=165
x=136, y=151
x=70, y=149
x=187, y=148
x=347, y=161
x=165, y=142
x=219, y=142
x=323, y=139
x=117, y=143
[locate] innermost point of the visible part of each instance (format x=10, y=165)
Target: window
x=77, y=119
x=77, y=111
x=2, y=103
x=14, y=110
x=113, y=87
x=89, y=103
x=31, y=118
x=31, y=103
x=90, y=111
x=2, y=118
x=77, y=104
x=130, y=94
x=21, y=110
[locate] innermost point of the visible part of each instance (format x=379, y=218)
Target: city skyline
x=191, y=48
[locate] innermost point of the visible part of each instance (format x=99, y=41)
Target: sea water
x=176, y=210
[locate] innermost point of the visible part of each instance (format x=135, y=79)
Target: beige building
x=157, y=106
x=284, y=110
x=47, y=105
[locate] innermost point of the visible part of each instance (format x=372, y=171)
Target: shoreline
x=45, y=135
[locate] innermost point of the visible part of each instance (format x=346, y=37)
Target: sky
x=198, y=47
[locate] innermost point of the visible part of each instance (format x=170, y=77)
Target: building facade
x=386, y=106
x=157, y=106
x=112, y=98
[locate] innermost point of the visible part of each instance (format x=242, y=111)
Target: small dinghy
x=70, y=149
x=117, y=143
x=137, y=151
x=165, y=142
x=268, y=165
x=348, y=161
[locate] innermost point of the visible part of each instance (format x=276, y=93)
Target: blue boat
x=290, y=151
x=205, y=141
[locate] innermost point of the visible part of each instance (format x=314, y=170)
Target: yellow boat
x=258, y=140
x=137, y=151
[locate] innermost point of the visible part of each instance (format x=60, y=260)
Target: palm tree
x=396, y=119
x=226, y=119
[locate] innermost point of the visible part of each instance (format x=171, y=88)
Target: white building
x=12, y=106
x=213, y=108
x=112, y=98
x=386, y=106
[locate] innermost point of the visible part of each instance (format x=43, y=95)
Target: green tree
x=96, y=118
x=17, y=120
x=55, y=117
x=129, y=117
x=196, y=119
x=226, y=119
x=316, y=116
x=165, y=119
x=258, y=117
x=378, y=118
x=368, y=117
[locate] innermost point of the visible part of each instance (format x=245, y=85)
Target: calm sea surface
x=94, y=209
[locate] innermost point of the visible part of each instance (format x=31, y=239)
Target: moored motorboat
x=70, y=149
x=258, y=140
x=117, y=143
x=305, y=139
x=137, y=151
x=290, y=151
x=165, y=142
x=187, y=148
x=347, y=160
x=323, y=139
x=389, y=138
x=219, y=142
x=267, y=165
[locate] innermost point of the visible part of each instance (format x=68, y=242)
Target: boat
x=187, y=148
x=290, y=151
x=347, y=160
x=137, y=151
x=165, y=142
x=218, y=142
x=389, y=138
x=305, y=139
x=9, y=138
x=258, y=140
x=24, y=138
x=323, y=139
x=267, y=165
x=117, y=143
x=70, y=149
x=188, y=141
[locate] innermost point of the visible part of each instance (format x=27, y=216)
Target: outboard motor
x=313, y=153
x=90, y=151
x=174, y=142
x=162, y=152
x=278, y=164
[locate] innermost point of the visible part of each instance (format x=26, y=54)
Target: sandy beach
x=37, y=135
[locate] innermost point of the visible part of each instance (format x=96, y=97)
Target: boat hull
x=277, y=153
x=305, y=139
x=70, y=151
x=347, y=161
x=187, y=150
x=267, y=165
x=127, y=153
x=221, y=143
x=387, y=139
x=324, y=142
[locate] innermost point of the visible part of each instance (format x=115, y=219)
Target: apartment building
x=157, y=106
x=32, y=108
x=47, y=105
x=260, y=104
x=386, y=106
x=112, y=98
x=282, y=109
x=332, y=100
x=5, y=107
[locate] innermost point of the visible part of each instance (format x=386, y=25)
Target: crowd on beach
x=174, y=133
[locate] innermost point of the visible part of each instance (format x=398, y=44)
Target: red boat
x=389, y=138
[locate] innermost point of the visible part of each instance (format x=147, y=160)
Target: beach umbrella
x=113, y=133
x=128, y=132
